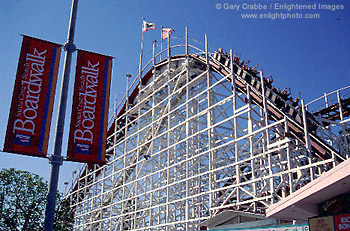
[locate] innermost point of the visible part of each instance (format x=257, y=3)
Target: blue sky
x=309, y=55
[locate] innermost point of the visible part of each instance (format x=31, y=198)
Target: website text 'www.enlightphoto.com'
x=280, y=10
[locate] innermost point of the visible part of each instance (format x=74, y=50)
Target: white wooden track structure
x=197, y=135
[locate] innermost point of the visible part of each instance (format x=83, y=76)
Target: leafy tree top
x=23, y=202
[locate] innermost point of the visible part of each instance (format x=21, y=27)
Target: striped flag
x=166, y=32
x=148, y=26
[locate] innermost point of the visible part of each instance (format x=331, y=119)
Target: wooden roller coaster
x=302, y=125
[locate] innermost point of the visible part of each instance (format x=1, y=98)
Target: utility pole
x=56, y=159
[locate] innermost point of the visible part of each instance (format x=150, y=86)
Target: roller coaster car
x=246, y=77
x=222, y=58
x=258, y=85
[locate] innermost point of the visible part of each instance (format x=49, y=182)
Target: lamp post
x=56, y=159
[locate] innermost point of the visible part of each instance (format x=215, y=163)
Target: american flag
x=148, y=26
x=166, y=32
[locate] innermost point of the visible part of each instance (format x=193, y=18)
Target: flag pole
x=141, y=53
x=161, y=43
x=169, y=54
x=56, y=159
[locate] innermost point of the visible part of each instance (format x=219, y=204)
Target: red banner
x=33, y=96
x=88, y=126
x=342, y=222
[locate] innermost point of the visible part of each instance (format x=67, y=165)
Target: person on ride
x=296, y=101
x=269, y=81
x=285, y=93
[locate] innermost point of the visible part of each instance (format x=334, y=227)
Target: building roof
x=303, y=203
x=227, y=215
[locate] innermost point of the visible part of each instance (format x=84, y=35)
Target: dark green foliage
x=64, y=219
x=23, y=202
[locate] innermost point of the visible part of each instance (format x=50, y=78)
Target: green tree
x=64, y=218
x=23, y=201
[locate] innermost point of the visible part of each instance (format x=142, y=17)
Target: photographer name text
x=279, y=6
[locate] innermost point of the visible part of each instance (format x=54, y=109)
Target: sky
x=308, y=55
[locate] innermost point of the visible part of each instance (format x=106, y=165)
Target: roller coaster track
x=338, y=109
x=302, y=128
x=278, y=108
